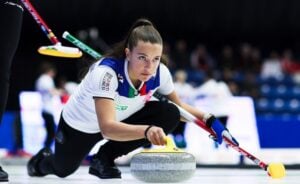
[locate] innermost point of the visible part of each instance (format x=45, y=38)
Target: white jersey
x=108, y=78
x=44, y=85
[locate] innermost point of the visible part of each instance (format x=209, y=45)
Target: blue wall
x=6, y=131
x=277, y=131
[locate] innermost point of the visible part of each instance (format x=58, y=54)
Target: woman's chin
x=145, y=78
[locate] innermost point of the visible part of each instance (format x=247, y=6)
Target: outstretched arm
x=210, y=120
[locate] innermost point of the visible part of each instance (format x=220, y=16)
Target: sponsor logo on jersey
x=106, y=81
x=120, y=107
x=120, y=78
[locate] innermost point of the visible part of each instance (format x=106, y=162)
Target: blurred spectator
x=96, y=42
x=185, y=92
x=255, y=62
x=233, y=87
x=213, y=89
x=226, y=61
x=66, y=87
x=248, y=67
x=201, y=60
x=249, y=59
x=271, y=67
x=212, y=97
x=245, y=56
x=226, y=68
x=183, y=88
x=180, y=55
x=167, y=55
x=92, y=38
x=46, y=87
x=290, y=65
x=249, y=85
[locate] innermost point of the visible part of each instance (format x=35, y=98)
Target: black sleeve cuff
x=210, y=121
x=94, y=97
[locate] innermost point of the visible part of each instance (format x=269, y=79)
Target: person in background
x=272, y=67
x=67, y=88
x=45, y=85
x=201, y=60
x=180, y=56
x=185, y=92
x=11, y=14
x=213, y=96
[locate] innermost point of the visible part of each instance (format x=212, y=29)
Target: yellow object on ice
x=169, y=148
x=60, y=51
x=276, y=170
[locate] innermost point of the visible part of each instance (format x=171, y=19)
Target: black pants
x=10, y=23
x=71, y=146
x=50, y=128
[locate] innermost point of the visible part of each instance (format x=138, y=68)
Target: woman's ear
x=127, y=53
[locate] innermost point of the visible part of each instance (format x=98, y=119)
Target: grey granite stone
x=163, y=167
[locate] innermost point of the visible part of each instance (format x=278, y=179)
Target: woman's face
x=143, y=60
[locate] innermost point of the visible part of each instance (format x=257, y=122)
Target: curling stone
x=276, y=170
x=168, y=164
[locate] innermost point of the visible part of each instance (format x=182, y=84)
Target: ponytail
x=141, y=30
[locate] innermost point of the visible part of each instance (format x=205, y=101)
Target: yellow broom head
x=60, y=51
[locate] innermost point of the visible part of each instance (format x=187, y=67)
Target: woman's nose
x=150, y=64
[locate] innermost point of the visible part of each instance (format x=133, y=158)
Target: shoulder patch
x=106, y=81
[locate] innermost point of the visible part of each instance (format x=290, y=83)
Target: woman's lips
x=146, y=74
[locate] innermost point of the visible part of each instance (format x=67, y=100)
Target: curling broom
x=52, y=50
x=275, y=170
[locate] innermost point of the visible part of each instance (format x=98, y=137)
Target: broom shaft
x=40, y=22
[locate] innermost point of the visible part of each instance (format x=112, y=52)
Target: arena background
x=267, y=25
